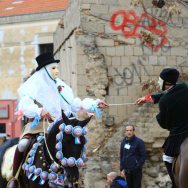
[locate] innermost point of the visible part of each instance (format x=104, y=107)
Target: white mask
x=52, y=70
x=161, y=83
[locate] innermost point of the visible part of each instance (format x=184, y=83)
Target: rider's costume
x=39, y=92
x=173, y=108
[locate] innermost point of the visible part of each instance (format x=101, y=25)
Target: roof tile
x=30, y=6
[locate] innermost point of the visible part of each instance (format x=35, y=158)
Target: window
x=2, y=129
x=43, y=48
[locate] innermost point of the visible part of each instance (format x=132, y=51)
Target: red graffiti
x=131, y=26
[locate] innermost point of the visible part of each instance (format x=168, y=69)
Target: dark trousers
x=169, y=169
x=134, y=178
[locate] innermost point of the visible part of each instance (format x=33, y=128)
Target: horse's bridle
x=46, y=145
x=68, y=130
x=53, y=176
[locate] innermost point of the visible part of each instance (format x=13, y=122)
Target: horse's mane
x=75, y=121
x=67, y=121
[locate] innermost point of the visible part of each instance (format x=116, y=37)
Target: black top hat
x=45, y=59
x=170, y=75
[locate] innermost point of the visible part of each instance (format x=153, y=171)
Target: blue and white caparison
x=53, y=175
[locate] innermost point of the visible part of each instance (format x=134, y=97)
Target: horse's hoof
x=13, y=183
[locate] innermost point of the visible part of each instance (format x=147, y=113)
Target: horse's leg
x=183, y=173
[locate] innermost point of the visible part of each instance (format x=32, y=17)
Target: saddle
x=8, y=158
x=7, y=164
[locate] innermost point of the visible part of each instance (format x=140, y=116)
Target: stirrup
x=13, y=183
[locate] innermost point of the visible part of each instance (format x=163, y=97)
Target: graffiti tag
x=132, y=24
x=129, y=75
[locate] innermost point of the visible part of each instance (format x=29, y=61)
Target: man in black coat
x=173, y=114
x=132, y=157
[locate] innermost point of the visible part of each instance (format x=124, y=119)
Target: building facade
x=26, y=30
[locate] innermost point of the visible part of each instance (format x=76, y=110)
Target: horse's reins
x=122, y=104
x=48, y=122
x=49, y=150
x=19, y=169
x=44, y=129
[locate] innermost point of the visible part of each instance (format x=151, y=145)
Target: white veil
x=43, y=89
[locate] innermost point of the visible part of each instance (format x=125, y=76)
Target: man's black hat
x=170, y=75
x=45, y=59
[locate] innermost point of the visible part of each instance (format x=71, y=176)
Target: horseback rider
x=43, y=97
x=173, y=108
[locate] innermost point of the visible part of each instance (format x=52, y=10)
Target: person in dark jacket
x=132, y=157
x=173, y=114
x=116, y=181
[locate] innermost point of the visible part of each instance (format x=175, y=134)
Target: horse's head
x=66, y=141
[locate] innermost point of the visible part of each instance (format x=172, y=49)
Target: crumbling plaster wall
x=80, y=56
x=98, y=61
x=109, y=65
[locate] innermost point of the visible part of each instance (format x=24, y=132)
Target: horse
x=54, y=158
x=7, y=144
x=180, y=169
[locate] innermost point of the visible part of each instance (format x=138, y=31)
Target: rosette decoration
x=76, y=132
x=53, y=177
x=53, y=172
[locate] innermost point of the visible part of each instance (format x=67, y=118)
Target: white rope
x=46, y=143
x=122, y=104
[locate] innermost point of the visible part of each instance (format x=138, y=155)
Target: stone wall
x=128, y=61
x=65, y=48
x=105, y=63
